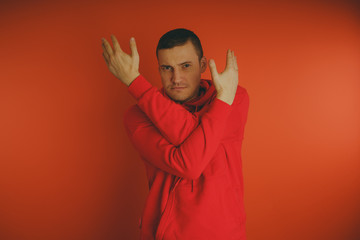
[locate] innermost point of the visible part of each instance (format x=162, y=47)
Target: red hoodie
x=192, y=156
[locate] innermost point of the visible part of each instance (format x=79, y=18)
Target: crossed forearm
x=190, y=158
x=173, y=121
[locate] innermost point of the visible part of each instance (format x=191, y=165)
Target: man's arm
x=190, y=158
x=173, y=121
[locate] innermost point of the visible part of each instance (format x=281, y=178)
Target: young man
x=189, y=135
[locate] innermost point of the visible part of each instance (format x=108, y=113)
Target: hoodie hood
x=207, y=93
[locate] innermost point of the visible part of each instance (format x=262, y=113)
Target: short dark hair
x=178, y=37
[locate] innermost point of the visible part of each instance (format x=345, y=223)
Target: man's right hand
x=122, y=65
x=226, y=82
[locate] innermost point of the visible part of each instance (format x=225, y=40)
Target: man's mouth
x=178, y=88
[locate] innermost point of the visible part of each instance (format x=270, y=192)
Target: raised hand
x=122, y=65
x=226, y=82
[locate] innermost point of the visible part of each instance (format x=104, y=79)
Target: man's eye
x=166, y=68
x=186, y=65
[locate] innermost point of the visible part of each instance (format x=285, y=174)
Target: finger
x=213, y=70
x=229, y=59
x=106, y=60
x=233, y=59
x=133, y=47
x=235, y=64
x=105, y=52
x=107, y=46
x=115, y=44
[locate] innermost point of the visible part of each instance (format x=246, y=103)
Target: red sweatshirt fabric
x=192, y=157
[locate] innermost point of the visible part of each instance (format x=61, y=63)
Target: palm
x=124, y=66
x=227, y=81
x=123, y=62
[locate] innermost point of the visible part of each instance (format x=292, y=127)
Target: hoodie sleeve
x=173, y=121
x=190, y=158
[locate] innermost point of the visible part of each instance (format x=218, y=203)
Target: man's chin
x=177, y=99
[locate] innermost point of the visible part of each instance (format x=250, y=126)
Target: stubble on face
x=182, y=98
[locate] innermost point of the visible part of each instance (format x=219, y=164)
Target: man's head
x=181, y=62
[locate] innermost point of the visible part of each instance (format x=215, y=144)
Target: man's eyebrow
x=184, y=62
x=164, y=65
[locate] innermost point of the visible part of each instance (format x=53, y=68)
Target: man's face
x=180, y=71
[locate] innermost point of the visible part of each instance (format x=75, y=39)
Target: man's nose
x=176, y=77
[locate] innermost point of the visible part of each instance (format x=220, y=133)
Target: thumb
x=213, y=70
x=133, y=47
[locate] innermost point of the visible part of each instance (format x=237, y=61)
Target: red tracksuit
x=192, y=156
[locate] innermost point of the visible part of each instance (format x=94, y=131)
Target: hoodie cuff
x=219, y=109
x=139, y=86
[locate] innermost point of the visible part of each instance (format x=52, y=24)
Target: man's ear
x=203, y=64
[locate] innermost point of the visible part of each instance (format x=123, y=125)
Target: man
x=189, y=135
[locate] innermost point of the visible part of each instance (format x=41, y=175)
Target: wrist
x=131, y=79
x=225, y=99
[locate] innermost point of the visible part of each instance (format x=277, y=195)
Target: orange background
x=67, y=168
